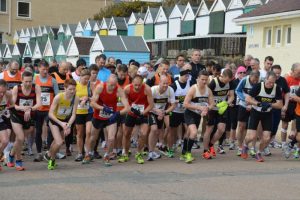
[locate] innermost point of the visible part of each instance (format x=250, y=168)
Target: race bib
x=45, y=97
x=119, y=103
x=26, y=102
x=139, y=107
x=293, y=89
x=104, y=114
x=64, y=111
x=84, y=106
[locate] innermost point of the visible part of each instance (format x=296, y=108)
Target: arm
x=95, y=97
x=230, y=97
x=172, y=101
x=187, y=100
x=239, y=90
x=211, y=102
x=124, y=101
x=9, y=97
x=38, y=98
x=150, y=100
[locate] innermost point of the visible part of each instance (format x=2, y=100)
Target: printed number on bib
x=26, y=102
x=104, y=114
x=293, y=90
x=45, y=97
x=85, y=106
x=138, y=107
x=64, y=111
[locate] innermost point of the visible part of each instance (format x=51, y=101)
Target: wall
x=284, y=55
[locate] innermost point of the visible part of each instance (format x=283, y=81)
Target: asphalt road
x=226, y=177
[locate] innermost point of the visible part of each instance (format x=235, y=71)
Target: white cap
x=142, y=71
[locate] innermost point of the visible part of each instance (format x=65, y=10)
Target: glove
x=265, y=106
x=107, y=110
x=137, y=112
x=114, y=117
x=222, y=107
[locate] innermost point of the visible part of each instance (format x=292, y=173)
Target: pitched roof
x=120, y=23
x=181, y=8
x=66, y=43
x=226, y=3
x=73, y=28
x=112, y=43
x=153, y=12
x=21, y=47
x=55, y=45
x=244, y=2
x=83, y=45
x=273, y=7
x=135, y=44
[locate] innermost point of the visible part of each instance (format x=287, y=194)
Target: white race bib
x=64, y=111
x=139, y=107
x=45, y=97
x=85, y=106
x=104, y=114
x=26, y=102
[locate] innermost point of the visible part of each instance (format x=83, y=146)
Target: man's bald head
x=64, y=67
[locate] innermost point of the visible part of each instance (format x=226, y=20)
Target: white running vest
x=264, y=97
x=199, y=99
x=180, y=94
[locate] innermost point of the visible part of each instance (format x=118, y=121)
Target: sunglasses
x=242, y=73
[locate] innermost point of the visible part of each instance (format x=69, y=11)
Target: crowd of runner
x=157, y=109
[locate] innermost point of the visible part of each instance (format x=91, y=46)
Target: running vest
x=106, y=99
x=64, y=108
x=12, y=81
x=23, y=100
x=246, y=90
x=199, y=99
x=157, y=79
x=137, y=100
x=220, y=93
x=83, y=91
x=161, y=100
x=120, y=105
x=180, y=94
x=264, y=97
x=60, y=82
x=47, y=93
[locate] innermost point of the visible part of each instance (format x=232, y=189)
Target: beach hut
x=117, y=26
x=16, y=37
x=50, y=49
x=70, y=30
x=61, y=55
x=132, y=24
x=174, y=25
x=235, y=9
x=29, y=49
x=79, y=47
x=38, y=50
x=7, y=53
x=217, y=16
x=104, y=26
x=149, y=23
x=251, y=5
x=79, y=29
x=88, y=27
x=188, y=20
x=96, y=28
x=18, y=51
x=161, y=23
x=61, y=34
x=139, y=28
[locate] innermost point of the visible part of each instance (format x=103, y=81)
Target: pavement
x=225, y=177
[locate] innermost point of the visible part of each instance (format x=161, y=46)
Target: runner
x=6, y=103
x=164, y=104
x=180, y=87
x=140, y=99
x=80, y=65
x=62, y=115
x=49, y=89
x=222, y=89
x=83, y=113
x=162, y=70
x=104, y=102
x=198, y=101
x=242, y=90
x=263, y=97
x=27, y=99
x=12, y=75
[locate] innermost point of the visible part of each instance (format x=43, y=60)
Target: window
x=288, y=35
x=268, y=37
x=278, y=36
x=24, y=9
x=3, y=6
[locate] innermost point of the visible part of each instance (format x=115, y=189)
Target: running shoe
x=196, y=145
x=123, y=158
x=19, y=165
x=60, y=156
x=106, y=160
x=97, y=155
x=189, y=158
x=212, y=151
x=79, y=157
x=10, y=161
x=296, y=154
x=163, y=150
x=220, y=149
x=112, y=156
x=87, y=159
x=226, y=143
x=206, y=155
x=51, y=164
x=29, y=152
x=38, y=158
x=170, y=153
x=156, y=155
x=252, y=152
x=244, y=153
x=232, y=146
x=46, y=156
x=182, y=157
x=287, y=151
x=239, y=152
x=267, y=152
x=150, y=156
x=258, y=157
x=139, y=158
